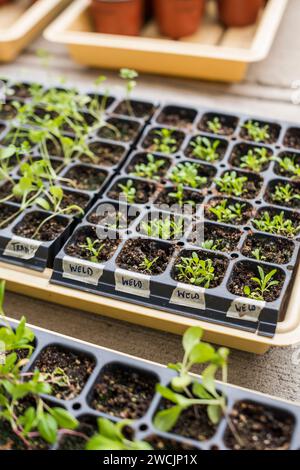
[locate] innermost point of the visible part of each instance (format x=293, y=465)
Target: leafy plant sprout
x=257, y=254
x=128, y=191
x=214, y=125
x=205, y=149
x=276, y=224
x=165, y=142
x=179, y=196
x=187, y=174
x=284, y=193
x=148, y=264
x=196, y=271
x=166, y=228
x=255, y=159
x=264, y=283
x=231, y=184
x=130, y=77
x=93, y=248
x=150, y=169
x=211, y=244
x=257, y=132
x=288, y=165
x=227, y=214
x=6, y=154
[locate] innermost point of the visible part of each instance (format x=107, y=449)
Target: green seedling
x=284, y=193
x=205, y=149
x=288, y=165
x=227, y=214
x=150, y=169
x=196, y=271
x=264, y=283
x=214, y=125
x=165, y=142
x=257, y=254
x=179, y=196
x=128, y=191
x=93, y=248
x=166, y=229
x=211, y=244
x=257, y=132
x=255, y=159
x=148, y=264
x=6, y=154
x=187, y=174
x=232, y=184
x=130, y=77
x=276, y=224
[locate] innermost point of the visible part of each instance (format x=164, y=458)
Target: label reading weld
x=132, y=283
x=22, y=248
x=82, y=270
x=189, y=296
x=246, y=309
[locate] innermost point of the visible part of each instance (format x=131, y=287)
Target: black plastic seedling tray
x=220, y=304
x=140, y=377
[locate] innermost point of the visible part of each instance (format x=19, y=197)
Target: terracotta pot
x=118, y=16
x=178, y=18
x=237, y=13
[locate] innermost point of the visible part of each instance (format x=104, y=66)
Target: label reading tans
x=132, y=283
x=22, y=248
x=82, y=270
x=188, y=296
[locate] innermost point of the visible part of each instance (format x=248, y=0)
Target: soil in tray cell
x=10, y=441
x=163, y=140
x=178, y=117
x=243, y=275
x=200, y=268
x=113, y=216
x=220, y=124
x=215, y=237
x=277, y=222
x=85, y=178
x=22, y=91
x=138, y=109
x=149, y=166
x=239, y=184
x=162, y=443
x=260, y=131
x=269, y=249
x=259, y=427
x=178, y=199
x=206, y=148
x=123, y=392
x=49, y=231
x=137, y=252
x=7, y=214
x=292, y=138
x=283, y=193
x=103, y=100
x=87, y=427
x=74, y=198
x=17, y=136
x=251, y=157
x=288, y=165
x=7, y=111
x=85, y=244
x=192, y=175
x=104, y=154
x=123, y=130
x=228, y=211
x=69, y=368
x=132, y=191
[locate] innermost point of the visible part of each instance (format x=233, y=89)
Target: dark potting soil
x=246, y=211
x=225, y=239
x=10, y=441
x=180, y=118
x=292, y=201
x=273, y=250
x=141, y=158
x=242, y=275
x=162, y=443
x=108, y=100
x=85, y=178
x=295, y=157
x=191, y=198
x=76, y=367
x=228, y=123
x=87, y=427
x=219, y=151
x=103, y=154
x=144, y=191
x=7, y=111
x=121, y=130
x=123, y=392
x=136, y=250
x=273, y=131
x=113, y=217
x=259, y=428
x=138, y=109
x=48, y=232
x=77, y=250
x=292, y=138
x=21, y=91
x=241, y=150
x=150, y=144
x=5, y=213
x=74, y=198
x=251, y=187
x=220, y=265
x=54, y=148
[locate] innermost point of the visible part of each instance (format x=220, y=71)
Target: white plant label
x=246, y=309
x=132, y=283
x=189, y=296
x=22, y=248
x=82, y=270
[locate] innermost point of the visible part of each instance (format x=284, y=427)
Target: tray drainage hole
x=258, y=202
x=234, y=255
x=247, y=229
x=143, y=427
x=222, y=165
x=214, y=447
x=180, y=244
x=76, y=406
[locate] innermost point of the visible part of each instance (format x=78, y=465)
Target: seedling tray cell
x=103, y=367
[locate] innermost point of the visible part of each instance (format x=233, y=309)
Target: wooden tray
x=20, y=22
x=212, y=53
x=37, y=285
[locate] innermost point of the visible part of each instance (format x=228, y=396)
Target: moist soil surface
x=48, y=232
x=273, y=250
x=5, y=212
x=190, y=197
x=228, y=124
x=270, y=195
x=150, y=145
x=144, y=191
x=138, y=109
x=77, y=250
x=273, y=132
x=181, y=118
x=251, y=187
x=241, y=150
x=54, y=148
x=73, y=198
x=242, y=275
x=246, y=211
x=21, y=91
x=85, y=178
x=162, y=443
x=112, y=217
x=292, y=138
x=104, y=154
x=224, y=238
x=219, y=263
x=219, y=152
x=10, y=441
x=123, y=130
x=136, y=250
x=77, y=368
x=87, y=427
x=123, y=392
x=142, y=159
x=259, y=428
x=7, y=111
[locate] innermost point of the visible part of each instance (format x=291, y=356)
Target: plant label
x=132, y=283
x=188, y=296
x=246, y=309
x=82, y=270
x=22, y=248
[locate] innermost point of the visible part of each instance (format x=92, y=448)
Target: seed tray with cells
x=101, y=383
x=211, y=204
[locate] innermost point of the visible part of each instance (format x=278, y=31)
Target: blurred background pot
x=178, y=18
x=238, y=13
x=118, y=16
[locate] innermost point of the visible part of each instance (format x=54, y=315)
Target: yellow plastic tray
x=212, y=53
x=20, y=23
x=37, y=285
